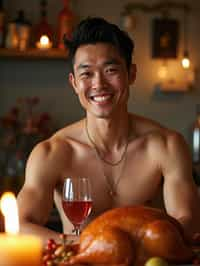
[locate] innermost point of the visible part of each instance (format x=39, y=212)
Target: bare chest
x=135, y=181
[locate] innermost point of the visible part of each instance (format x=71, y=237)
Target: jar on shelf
x=12, y=38
x=23, y=30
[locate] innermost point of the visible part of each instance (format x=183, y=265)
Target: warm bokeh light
x=185, y=62
x=9, y=209
x=162, y=72
x=44, y=40
x=129, y=22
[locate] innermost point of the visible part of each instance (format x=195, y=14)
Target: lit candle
x=44, y=42
x=17, y=249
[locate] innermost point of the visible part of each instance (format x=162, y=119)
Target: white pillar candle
x=17, y=249
x=20, y=250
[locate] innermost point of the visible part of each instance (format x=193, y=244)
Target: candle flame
x=9, y=209
x=44, y=40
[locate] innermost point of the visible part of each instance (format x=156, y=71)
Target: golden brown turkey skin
x=131, y=235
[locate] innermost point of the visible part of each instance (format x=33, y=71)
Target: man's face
x=101, y=79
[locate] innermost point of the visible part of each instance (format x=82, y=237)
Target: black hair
x=95, y=30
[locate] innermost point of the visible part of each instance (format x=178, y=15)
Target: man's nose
x=99, y=80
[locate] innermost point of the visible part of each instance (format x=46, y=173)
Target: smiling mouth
x=101, y=98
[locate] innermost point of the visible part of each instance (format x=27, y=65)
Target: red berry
x=51, y=241
x=46, y=257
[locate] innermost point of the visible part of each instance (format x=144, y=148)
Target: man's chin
x=103, y=115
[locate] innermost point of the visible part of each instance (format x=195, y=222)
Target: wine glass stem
x=77, y=230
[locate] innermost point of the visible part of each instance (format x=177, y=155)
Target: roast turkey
x=131, y=235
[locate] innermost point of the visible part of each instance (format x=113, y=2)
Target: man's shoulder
x=143, y=124
x=146, y=127
x=70, y=133
x=165, y=137
x=167, y=143
x=51, y=149
x=61, y=142
x=50, y=145
x=154, y=133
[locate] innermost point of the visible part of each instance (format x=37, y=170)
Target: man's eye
x=111, y=70
x=85, y=74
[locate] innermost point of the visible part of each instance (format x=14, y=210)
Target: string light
x=185, y=60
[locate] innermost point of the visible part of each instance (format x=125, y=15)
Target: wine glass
x=77, y=200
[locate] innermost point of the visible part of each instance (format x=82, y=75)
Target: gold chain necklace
x=112, y=188
x=98, y=152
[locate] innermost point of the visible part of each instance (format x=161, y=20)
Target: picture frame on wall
x=165, y=37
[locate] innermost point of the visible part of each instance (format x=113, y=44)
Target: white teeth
x=101, y=98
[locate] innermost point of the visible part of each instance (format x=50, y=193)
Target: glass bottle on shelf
x=43, y=28
x=12, y=38
x=23, y=30
x=2, y=24
x=66, y=22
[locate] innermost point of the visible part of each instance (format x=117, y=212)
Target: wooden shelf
x=33, y=53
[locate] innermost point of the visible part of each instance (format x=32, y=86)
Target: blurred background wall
x=48, y=78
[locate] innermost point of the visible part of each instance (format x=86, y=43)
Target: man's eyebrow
x=107, y=62
x=112, y=62
x=82, y=66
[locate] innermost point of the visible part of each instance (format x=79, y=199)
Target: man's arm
x=180, y=192
x=35, y=199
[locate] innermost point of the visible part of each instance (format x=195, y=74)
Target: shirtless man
x=127, y=157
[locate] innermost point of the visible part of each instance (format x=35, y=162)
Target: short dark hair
x=95, y=30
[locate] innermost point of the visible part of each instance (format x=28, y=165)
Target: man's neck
x=108, y=135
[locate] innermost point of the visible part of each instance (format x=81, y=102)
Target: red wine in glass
x=77, y=211
x=77, y=201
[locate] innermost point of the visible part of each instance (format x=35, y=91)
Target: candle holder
x=44, y=43
x=43, y=31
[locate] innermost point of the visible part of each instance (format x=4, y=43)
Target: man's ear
x=72, y=81
x=132, y=73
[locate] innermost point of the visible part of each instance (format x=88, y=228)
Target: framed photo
x=165, y=38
